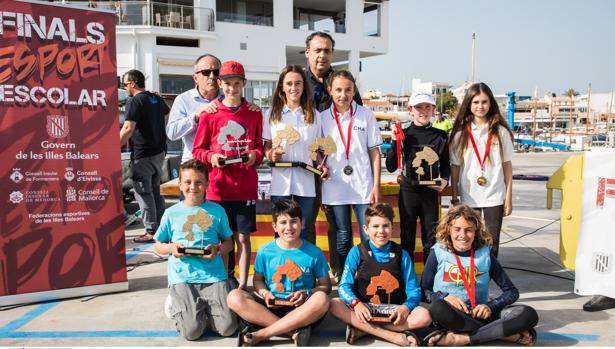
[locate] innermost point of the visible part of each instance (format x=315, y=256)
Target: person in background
x=442, y=122
x=144, y=127
x=319, y=47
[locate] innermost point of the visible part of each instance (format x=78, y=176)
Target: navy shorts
x=241, y=215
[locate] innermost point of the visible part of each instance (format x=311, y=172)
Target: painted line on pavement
x=27, y=317
x=135, y=251
x=542, y=336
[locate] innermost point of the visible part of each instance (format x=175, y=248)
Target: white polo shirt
x=339, y=188
x=494, y=193
x=294, y=180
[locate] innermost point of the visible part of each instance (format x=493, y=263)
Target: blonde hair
x=443, y=232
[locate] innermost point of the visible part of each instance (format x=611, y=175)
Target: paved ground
x=135, y=318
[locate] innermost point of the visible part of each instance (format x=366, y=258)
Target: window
x=256, y=12
x=259, y=92
x=371, y=19
x=175, y=84
x=329, y=18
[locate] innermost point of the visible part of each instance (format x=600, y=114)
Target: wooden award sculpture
x=387, y=282
x=327, y=146
x=431, y=158
x=203, y=221
x=292, y=272
x=287, y=135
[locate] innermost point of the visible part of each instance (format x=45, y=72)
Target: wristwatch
x=354, y=303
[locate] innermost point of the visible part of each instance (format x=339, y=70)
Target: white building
x=163, y=39
x=435, y=88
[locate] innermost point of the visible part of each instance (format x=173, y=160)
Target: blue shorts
x=241, y=215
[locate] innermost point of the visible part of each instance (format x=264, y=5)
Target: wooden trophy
x=432, y=159
x=286, y=136
x=383, y=282
x=292, y=272
x=327, y=146
x=203, y=221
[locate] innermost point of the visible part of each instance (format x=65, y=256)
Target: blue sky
x=521, y=44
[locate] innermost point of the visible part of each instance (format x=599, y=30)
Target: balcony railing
x=156, y=14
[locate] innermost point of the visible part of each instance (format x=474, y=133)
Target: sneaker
x=129, y=220
x=167, y=307
x=598, y=303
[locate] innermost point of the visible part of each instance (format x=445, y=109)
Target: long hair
x=465, y=117
x=279, y=97
x=443, y=232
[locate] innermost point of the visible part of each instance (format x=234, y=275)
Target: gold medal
x=482, y=181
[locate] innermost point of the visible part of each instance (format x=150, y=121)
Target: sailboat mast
x=473, y=57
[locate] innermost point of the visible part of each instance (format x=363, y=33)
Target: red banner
x=60, y=174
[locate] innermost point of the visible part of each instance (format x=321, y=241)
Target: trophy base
x=426, y=183
x=312, y=169
x=283, y=164
x=229, y=161
x=194, y=251
x=288, y=164
x=380, y=318
x=281, y=302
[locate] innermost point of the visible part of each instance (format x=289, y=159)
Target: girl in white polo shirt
x=354, y=169
x=296, y=124
x=481, y=150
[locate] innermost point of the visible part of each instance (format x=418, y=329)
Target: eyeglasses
x=207, y=72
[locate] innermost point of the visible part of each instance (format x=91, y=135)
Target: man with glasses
x=188, y=106
x=144, y=127
x=319, y=53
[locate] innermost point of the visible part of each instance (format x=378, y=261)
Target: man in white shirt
x=184, y=116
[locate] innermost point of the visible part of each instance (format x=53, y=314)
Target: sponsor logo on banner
x=71, y=194
x=69, y=175
x=57, y=126
x=16, y=176
x=606, y=189
x=16, y=197
x=602, y=262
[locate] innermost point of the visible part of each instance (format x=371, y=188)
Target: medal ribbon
x=481, y=162
x=399, y=138
x=339, y=128
x=468, y=283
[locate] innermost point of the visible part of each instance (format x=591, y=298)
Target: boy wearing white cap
x=425, y=168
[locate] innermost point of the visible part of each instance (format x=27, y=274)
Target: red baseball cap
x=232, y=69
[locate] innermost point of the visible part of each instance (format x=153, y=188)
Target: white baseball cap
x=421, y=97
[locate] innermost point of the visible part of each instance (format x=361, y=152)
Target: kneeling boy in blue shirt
x=198, y=285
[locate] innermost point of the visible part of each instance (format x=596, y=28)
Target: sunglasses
x=127, y=83
x=207, y=72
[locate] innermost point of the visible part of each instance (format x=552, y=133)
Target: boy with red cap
x=229, y=142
